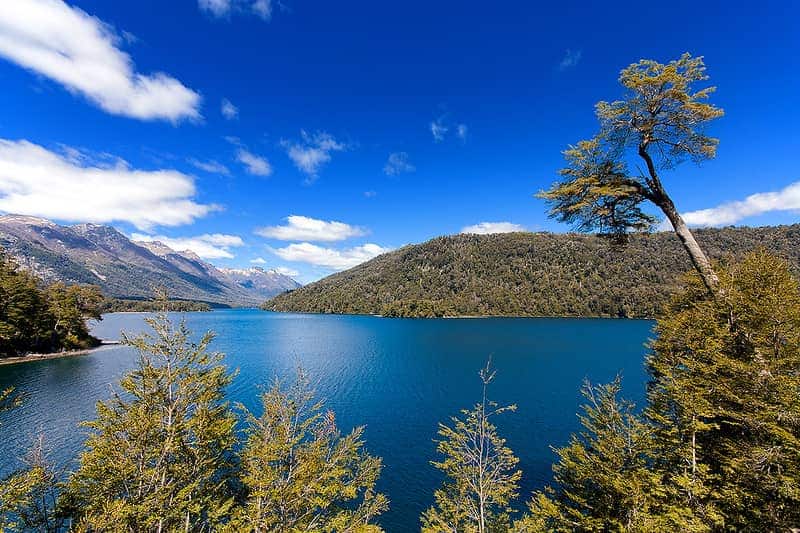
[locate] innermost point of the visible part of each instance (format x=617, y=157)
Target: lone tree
x=482, y=472
x=659, y=121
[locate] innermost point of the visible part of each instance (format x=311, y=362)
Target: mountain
x=527, y=274
x=265, y=283
x=101, y=255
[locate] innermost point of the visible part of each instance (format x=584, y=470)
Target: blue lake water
x=399, y=377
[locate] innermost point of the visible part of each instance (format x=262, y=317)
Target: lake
x=399, y=377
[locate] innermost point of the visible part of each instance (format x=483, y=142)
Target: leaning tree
x=659, y=123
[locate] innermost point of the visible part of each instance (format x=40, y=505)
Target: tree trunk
x=659, y=196
x=699, y=259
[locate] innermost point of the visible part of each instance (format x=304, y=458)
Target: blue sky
x=400, y=122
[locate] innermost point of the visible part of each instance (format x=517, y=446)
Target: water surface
x=399, y=377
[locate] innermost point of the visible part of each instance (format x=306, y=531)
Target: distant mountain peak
x=99, y=254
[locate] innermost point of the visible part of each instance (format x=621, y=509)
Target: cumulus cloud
x=81, y=53
x=259, y=261
x=787, y=199
x=300, y=228
x=224, y=8
x=370, y=194
x=438, y=130
x=312, y=152
x=570, y=59
x=397, y=164
x=486, y=228
x=305, y=252
x=211, y=166
x=253, y=164
x=38, y=182
x=228, y=110
x=207, y=246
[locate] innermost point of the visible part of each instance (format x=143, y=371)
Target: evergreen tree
x=300, y=473
x=25, y=321
x=725, y=395
x=481, y=470
x=605, y=478
x=160, y=456
x=71, y=306
x=660, y=121
x=28, y=495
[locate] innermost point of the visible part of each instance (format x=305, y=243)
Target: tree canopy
x=661, y=121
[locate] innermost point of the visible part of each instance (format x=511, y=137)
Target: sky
x=311, y=136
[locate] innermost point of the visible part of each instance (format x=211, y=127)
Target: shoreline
x=54, y=355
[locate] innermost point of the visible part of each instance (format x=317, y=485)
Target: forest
x=36, y=319
x=528, y=274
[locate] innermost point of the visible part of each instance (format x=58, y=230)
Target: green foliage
x=527, y=274
x=718, y=445
x=160, y=456
x=606, y=478
x=724, y=395
x=660, y=118
x=300, y=473
x=117, y=305
x=482, y=478
x=33, y=319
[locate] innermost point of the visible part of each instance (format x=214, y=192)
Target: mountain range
x=101, y=255
x=528, y=274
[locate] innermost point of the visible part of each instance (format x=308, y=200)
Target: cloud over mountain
x=39, y=182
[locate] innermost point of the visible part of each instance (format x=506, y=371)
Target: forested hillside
x=527, y=274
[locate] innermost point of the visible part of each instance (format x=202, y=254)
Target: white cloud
x=570, y=59
x=254, y=164
x=286, y=271
x=370, y=194
x=36, y=181
x=263, y=8
x=486, y=228
x=300, y=228
x=259, y=261
x=397, y=164
x=312, y=152
x=305, y=252
x=80, y=52
x=207, y=246
x=211, y=166
x=228, y=110
x=438, y=130
x=461, y=131
x=223, y=8
x=787, y=199
x=217, y=8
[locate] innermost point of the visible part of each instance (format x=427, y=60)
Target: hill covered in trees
x=527, y=274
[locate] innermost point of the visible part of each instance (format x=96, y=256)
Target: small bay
x=399, y=377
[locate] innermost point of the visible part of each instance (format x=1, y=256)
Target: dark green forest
x=36, y=318
x=528, y=274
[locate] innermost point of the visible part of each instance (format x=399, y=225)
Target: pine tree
x=481, y=470
x=300, y=473
x=160, y=455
